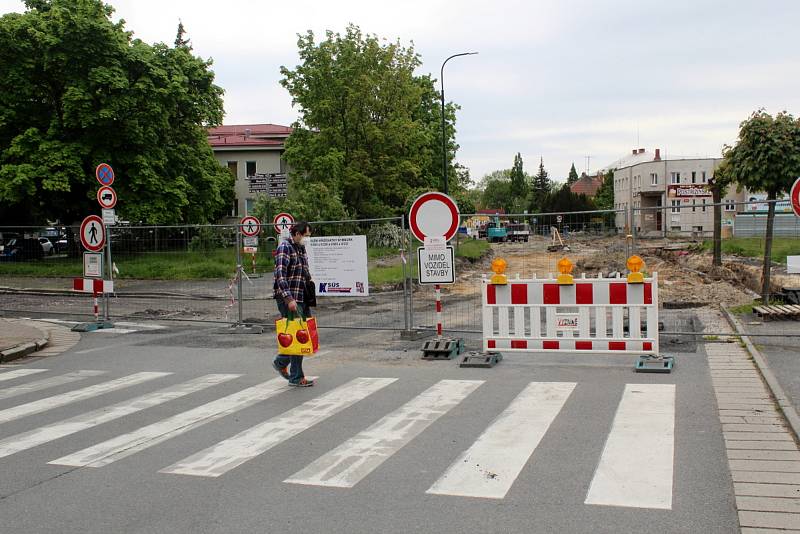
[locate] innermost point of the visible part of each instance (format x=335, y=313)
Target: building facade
x=664, y=195
x=254, y=155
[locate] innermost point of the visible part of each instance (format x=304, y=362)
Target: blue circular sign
x=104, y=174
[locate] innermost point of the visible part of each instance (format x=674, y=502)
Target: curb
x=23, y=350
x=789, y=413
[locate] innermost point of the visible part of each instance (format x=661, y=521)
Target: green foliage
x=540, y=188
x=76, y=90
x=369, y=130
x=205, y=240
x=604, y=199
x=497, y=191
x=518, y=184
x=573, y=175
x=472, y=249
x=563, y=200
x=753, y=247
x=386, y=235
x=306, y=201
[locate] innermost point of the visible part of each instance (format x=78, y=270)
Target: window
x=694, y=177
x=704, y=205
x=694, y=204
x=235, y=208
x=233, y=167
x=730, y=205
x=676, y=178
x=697, y=228
x=703, y=177
x=283, y=166
x=676, y=206
x=653, y=178
x=248, y=205
x=251, y=168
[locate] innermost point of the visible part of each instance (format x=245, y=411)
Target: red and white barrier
x=92, y=285
x=540, y=315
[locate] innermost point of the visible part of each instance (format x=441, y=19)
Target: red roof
x=492, y=211
x=229, y=135
x=587, y=185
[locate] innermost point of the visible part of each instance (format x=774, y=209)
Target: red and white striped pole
x=96, y=309
x=254, y=263
x=438, y=311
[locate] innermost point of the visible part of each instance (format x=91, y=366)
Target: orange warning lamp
x=499, y=266
x=635, y=264
x=565, y=268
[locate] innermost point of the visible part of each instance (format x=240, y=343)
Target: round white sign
x=433, y=215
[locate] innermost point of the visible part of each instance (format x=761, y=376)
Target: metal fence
x=190, y=272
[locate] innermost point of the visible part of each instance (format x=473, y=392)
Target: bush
x=205, y=240
x=386, y=235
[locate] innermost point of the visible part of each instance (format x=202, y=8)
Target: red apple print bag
x=297, y=336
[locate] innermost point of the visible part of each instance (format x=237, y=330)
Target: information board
x=338, y=265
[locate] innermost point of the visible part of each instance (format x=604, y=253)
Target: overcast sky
x=560, y=79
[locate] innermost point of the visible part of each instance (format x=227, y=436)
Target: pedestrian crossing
x=635, y=468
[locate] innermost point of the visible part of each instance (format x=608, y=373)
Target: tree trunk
x=768, y=248
x=717, y=199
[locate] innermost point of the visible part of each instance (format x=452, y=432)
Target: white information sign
x=109, y=217
x=435, y=243
x=436, y=266
x=339, y=265
x=93, y=264
x=250, y=242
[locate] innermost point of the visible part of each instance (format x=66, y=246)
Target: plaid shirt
x=291, y=271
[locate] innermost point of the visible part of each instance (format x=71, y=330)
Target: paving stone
x=748, y=530
x=766, y=477
x=740, y=406
x=757, y=436
x=752, y=428
x=739, y=454
x=769, y=520
x=767, y=490
x=748, y=413
x=760, y=445
x=778, y=466
x=768, y=504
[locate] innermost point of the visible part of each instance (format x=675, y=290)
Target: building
x=668, y=194
x=587, y=185
x=254, y=155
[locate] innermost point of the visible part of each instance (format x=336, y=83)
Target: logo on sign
x=567, y=321
x=335, y=287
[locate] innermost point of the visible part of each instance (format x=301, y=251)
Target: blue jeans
x=295, y=363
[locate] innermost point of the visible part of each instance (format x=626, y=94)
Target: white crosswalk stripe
x=27, y=440
x=17, y=373
x=226, y=455
x=346, y=465
x=45, y=383
x=127, y=444
x=636, y=466
x=69, y=397
x=493, y=463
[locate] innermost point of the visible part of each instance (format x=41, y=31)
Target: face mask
x=305, y=241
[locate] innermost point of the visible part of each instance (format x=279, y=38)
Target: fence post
x=239, y=273
x=410, y=261
x=406, y=311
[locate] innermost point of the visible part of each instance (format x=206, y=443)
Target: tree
x=604, y=199
x=76, y=90
x=540, y=188
x=518, y=184
x=368, y=128
x=573, y=175
x=718, y=184
x=766, y=157
x=180, y=39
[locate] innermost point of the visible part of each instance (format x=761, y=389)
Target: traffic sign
x=436, y=266
x=109, y=217
x=107, y=197
x=93, y=264
x=559, y=218
x=283, y=222
x=794, y=195
x=250, y=226
x=93, y=233
x=433, y=214
x=104, y=174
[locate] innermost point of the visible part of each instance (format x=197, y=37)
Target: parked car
x=47, y=246
x=20, y=249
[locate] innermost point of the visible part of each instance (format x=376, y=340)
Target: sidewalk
x=19, y=338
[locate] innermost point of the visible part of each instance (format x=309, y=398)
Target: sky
x=569, y=81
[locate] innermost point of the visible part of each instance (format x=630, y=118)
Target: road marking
x=27, y=440
x=69, y=397
x=17, y=373
x=47, y=383
x=226, y=455
x=354, y=459
x=127, y=444
x=491, y=465
x=636, y=467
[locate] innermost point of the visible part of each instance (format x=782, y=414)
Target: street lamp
x=444, y=137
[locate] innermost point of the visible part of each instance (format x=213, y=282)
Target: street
x=185, y=429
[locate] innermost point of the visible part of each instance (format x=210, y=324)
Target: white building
x=668, y=194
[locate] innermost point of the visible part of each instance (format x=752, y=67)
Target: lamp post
x=444, y=137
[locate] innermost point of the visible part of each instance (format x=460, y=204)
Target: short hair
x=300, y=228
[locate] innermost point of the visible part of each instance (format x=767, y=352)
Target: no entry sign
x=794, y=195
x=433, y=214
x=93, y=233
x=282, y=221
x=250, y=226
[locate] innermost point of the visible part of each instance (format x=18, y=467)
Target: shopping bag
x=297, y=336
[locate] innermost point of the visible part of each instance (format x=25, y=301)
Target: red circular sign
x=104, y=174
x=433, y=215
x=93, y=233
x=251, y=226
x=282, y=221
x=107, y=197
x=794, y=195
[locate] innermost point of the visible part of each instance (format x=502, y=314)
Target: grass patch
x=745, y=308
x=472, y=249
x=753, y=247
x=711, y=338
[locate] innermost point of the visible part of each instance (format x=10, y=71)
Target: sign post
x=434, y=219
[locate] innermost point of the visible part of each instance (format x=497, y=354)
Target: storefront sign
x=339, y=265
x=682, y=191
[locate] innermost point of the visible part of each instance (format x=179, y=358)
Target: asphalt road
x=559, y=450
